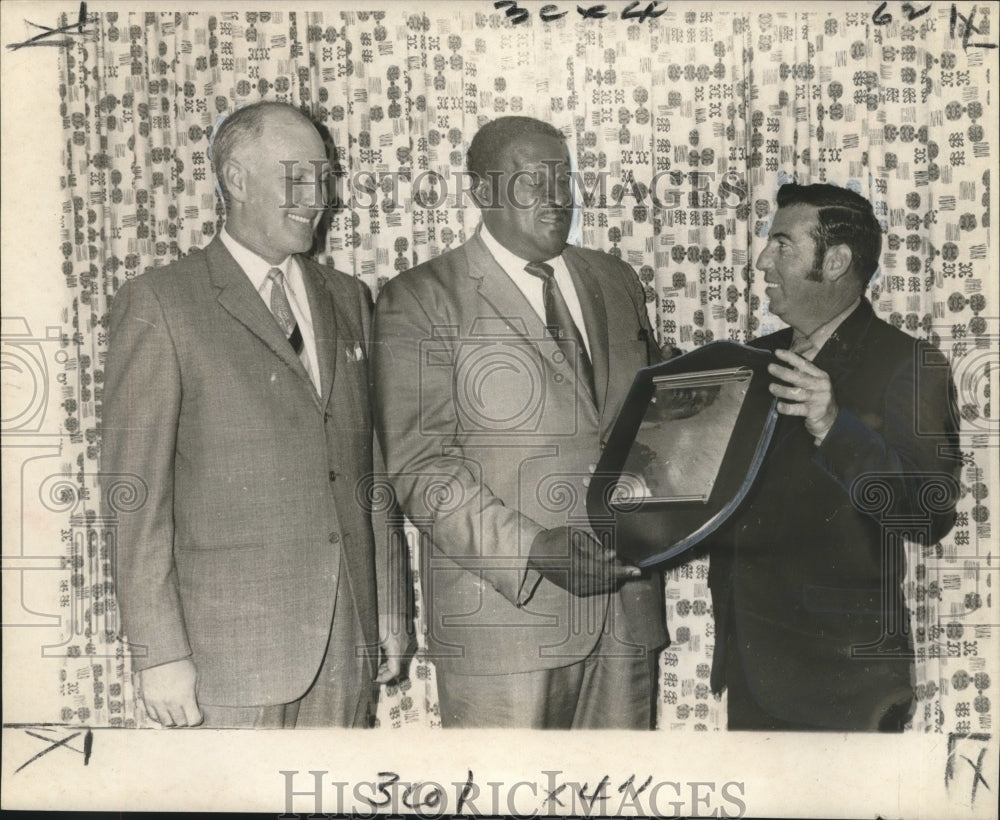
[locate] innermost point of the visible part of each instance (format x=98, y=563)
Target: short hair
x=488, y=144
x=844, y=218
x=242, y=126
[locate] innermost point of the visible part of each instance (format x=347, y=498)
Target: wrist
x=821, y=429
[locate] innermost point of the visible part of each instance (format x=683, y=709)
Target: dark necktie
x=560, y=325
x=283, y=311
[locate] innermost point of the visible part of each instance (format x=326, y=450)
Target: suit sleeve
x=918, y=442
x=440, y=490
x=141, y=407
x=392, y=566
x=654, y=353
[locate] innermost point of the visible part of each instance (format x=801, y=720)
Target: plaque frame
x=646, y=528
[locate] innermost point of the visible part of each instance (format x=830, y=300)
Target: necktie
x=283, y=311
x=560, y=325
x=801, y=345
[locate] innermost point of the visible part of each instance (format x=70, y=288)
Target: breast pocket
x=351, y=373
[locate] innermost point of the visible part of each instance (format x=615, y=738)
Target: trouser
x=598, y=692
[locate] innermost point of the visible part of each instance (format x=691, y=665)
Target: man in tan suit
x=236, y=398
x=499, y=368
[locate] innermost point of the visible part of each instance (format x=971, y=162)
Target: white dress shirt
x=257, y=268
x=531, y=286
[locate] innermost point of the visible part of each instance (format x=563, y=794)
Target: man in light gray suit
x=236, y=396
x=499, y=368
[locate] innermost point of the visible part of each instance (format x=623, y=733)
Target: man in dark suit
x=236, y=402
x=812, y=630
x=499, y=367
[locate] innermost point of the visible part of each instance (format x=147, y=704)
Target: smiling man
x=235, y=402
x=811, y=623
x=499, y=368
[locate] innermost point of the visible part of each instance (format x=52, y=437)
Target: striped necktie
x=283, y=311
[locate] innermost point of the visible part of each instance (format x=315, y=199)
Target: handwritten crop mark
x=954, y=754
x=62, y=743
x=43, y=39
x=968, y=28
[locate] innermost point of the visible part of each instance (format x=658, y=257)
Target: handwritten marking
x=466, y=791
x=977, y=778
x=954, y=754
x=553, y=795
x=550, y=12
x=590, y=799
x=628, y=785
x=88, y=745
x=968, y=28
x=518, y=14
x=650, y=12
x=47, y=32
x=598, y=12
x=880, y=17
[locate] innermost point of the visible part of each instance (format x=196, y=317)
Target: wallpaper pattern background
x=690, y=120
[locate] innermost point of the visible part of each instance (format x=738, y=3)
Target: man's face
x=534, y=204
x=798, y=291
x=282, y=203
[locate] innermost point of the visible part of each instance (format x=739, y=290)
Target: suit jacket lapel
x=520, y=318
x=324, y=320
x=835, y=358
x=238, y=297
x=595, y=320
x=506, y=299
x=844, y=345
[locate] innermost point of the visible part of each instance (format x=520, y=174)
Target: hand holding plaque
x=574, y=560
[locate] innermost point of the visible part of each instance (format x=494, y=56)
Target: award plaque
x=683, y=452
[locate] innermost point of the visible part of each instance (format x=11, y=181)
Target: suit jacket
x=248, y=475
x=488, y=433
x=811, y=566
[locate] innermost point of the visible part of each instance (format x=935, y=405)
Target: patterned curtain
x=689, y=120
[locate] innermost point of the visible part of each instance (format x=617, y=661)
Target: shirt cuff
x=529, y=583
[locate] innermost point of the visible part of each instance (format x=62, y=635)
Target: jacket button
x=334, y=537
x=333, y=476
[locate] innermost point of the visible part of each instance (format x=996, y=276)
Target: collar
x=510, y=262
x=809, y=346
x=255, y=267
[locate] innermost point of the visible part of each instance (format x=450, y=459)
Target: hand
x=810, y=394
x=574, y=560
x=398, y=645
x=167, y=692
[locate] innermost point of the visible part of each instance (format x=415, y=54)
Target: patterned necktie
x=560, y=325
x=283, y=311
